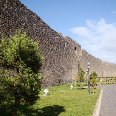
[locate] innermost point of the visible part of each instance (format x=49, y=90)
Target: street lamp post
x=88, y=79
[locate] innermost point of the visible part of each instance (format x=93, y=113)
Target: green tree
x=93, y=79
x=80, y=78
x=20, y=64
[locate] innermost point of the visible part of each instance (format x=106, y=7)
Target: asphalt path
x=108, y=100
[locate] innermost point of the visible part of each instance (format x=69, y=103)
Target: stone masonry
x=62, y=55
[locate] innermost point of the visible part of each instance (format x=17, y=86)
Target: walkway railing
x=107, y=80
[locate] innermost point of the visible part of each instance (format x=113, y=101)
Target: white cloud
x=113, y=12
x=98, y=38
x=81, y=31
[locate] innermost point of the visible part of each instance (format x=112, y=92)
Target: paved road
x=108, y=101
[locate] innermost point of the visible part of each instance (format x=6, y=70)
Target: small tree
x=93, y=79
x=80, y=78
x=20, y=64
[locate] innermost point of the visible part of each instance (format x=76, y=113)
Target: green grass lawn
x=62, y=101
x=65, y=102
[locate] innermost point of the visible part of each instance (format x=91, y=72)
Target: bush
x=20, y=64
x=80, y=77
x=93, y=79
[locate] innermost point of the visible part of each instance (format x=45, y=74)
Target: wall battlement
x=63, y=56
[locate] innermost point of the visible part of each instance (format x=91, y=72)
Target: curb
x=98, y=104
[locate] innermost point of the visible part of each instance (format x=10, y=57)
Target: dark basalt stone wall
x=62, y=55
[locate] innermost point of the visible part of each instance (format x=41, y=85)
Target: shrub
x=93, y=79
x=80, y=78
x=20, y=64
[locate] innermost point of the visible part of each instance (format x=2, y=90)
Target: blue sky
x=91, y=23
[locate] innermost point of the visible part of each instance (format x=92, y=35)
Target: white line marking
x=98, y=104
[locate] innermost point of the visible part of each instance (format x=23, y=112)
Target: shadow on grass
x=54, y=110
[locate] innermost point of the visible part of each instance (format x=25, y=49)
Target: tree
x=20, y=64
x=93, y=79
x=80, y=76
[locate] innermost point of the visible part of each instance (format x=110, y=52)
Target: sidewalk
x=108, y=100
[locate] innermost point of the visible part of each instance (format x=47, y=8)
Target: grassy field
x=62, y=101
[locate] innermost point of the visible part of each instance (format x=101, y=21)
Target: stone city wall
x=62, y=55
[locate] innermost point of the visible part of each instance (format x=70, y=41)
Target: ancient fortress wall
x=63, y=56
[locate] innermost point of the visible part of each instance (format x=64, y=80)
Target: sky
x=91, y=23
